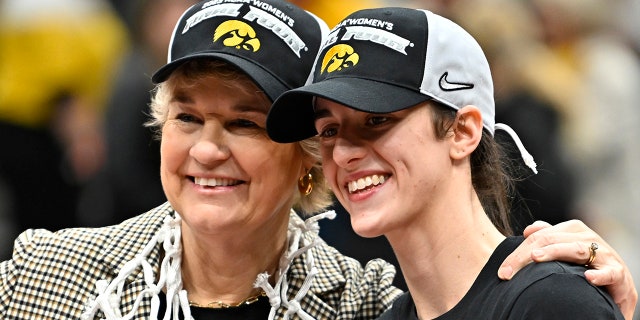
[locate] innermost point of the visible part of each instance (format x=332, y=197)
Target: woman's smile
x=365, y=183
x=215, y=182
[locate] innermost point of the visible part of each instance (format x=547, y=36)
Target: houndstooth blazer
x=53, y=275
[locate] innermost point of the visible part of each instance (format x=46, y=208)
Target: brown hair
x=197, y=69
x=490, y=171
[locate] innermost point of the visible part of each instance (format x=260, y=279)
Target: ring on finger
x=592, y=254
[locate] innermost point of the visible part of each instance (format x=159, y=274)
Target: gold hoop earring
x=305, y=184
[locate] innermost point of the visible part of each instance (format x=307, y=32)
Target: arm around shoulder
x=10, y=269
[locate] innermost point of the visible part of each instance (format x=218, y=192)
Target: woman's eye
x=185, y=117
x=376, y=120
x=243, y=123
x=328, y=132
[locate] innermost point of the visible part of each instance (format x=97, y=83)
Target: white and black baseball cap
x=385, y=60
x=388, y=59
x=272, y=41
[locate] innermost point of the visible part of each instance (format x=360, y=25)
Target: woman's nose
x=211, y=146
x=347, y=152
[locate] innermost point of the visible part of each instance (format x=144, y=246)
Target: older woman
x=228, y=243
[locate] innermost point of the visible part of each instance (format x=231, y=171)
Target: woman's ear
x=308, y=161
x=467, y=132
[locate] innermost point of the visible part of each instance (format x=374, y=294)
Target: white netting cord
x=278, y=294
x=176, y=297
x=109, y=295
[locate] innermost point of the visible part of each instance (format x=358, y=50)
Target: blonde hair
x=194, y=70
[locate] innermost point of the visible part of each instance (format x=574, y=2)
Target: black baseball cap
x=273, y=41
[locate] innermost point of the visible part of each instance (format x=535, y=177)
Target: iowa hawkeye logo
x=338, y=57
x=237, y=34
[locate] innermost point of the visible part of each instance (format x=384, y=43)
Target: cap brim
x=271, y=86
x=292, y=117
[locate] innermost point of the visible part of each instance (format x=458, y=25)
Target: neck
x=442, y=254
x=224, y=267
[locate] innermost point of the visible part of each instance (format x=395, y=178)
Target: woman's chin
x=366, y=228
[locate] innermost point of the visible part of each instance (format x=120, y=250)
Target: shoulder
x=343, y=285
x=549, y=290
x=564, y=292
x=337, y=269
x=403, y=308
x=88, y=242
x=61, y=268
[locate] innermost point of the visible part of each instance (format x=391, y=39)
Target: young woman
x=402, y=101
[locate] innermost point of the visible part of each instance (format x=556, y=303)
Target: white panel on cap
x=451, y=49
x=324, y=30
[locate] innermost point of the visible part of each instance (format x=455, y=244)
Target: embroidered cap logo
x=447, y=85
x=338, y=57
x=237, y=34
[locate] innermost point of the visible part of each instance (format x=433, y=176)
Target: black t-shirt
x=258, y=310
x=549, y=290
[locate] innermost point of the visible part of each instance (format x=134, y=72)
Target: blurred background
x=75, y=84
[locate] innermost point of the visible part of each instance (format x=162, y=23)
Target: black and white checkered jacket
x=53, y=275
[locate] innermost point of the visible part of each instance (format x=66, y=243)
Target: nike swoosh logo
x=446, y=85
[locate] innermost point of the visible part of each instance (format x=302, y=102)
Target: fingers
x=609, y=270
x=571, y=226
x=574, y=252
x=619, y=285
x=604, y=277
x=537, y=225
x=519, y=258
x=550, y=247
x=522, y=255
x=569, y=242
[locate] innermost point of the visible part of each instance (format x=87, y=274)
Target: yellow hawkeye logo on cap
x=338, y=57
x=239, y=35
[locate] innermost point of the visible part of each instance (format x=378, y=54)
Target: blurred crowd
x=75, y=84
